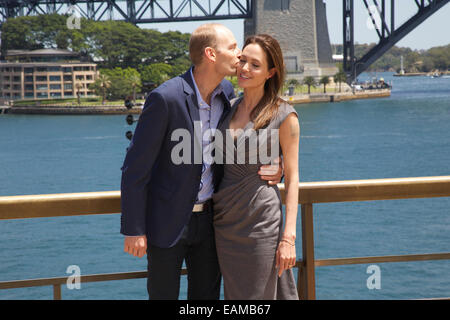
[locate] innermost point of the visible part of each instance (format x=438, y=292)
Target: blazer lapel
x=192, y=106
x=226, y=108
x=191, y=97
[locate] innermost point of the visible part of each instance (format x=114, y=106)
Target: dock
x=4, y=109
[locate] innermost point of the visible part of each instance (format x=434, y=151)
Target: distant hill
x=436, y=58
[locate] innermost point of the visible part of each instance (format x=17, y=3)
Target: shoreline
x=118, y=109
x=72, y=110
x=338, y=96
x=416, y=74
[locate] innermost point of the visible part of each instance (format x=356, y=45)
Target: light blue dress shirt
x=209, y=117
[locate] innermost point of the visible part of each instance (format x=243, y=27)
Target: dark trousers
x=196, y=246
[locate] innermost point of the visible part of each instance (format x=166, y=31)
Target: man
x=166, y=207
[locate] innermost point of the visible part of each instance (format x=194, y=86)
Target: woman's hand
x=285, y=256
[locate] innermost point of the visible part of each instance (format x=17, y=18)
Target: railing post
x=56, y=292
x=306, y=276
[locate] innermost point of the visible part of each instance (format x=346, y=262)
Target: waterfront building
x=44, y=74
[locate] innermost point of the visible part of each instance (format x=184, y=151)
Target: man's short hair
x=202, y=37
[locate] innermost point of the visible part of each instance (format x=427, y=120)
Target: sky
x=435, y=31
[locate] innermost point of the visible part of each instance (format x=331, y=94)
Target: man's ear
x=210, y=54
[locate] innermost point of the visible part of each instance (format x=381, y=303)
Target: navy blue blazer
x=157, y=196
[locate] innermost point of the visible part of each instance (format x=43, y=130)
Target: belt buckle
x=202, y=207
x=198, y=207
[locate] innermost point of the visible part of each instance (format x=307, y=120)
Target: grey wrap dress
x=248, y=220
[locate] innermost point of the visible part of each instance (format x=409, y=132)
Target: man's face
x=227, y=52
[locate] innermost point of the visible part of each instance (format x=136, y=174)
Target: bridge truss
x=389, y=34
x=134, y=11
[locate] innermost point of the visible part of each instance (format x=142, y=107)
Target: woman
x=255, y=252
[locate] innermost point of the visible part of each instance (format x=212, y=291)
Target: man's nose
x=238, y=52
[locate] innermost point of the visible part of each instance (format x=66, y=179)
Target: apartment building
x=45, y=73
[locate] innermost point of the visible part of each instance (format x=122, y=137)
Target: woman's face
x=253, y=70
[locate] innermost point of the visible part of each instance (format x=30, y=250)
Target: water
x=405, y=135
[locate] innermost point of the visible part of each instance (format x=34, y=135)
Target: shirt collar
x=201, y=103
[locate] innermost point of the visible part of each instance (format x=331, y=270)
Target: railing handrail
x=108, y=202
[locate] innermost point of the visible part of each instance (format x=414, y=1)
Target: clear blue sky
x=435, y=31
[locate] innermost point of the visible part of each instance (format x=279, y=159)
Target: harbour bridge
x=259, y=16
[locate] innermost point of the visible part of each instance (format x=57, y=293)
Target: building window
x=55, y=78
x=29, y=87
x=41, y=78
x=291, y=64
x=41, y=86
x=54, y=69
x=28, y=78
x=67, y=69
x=16, y=79
x=28, y=70
x=68, y=86
x=41, y=95
x=29, y=95
x=282, y=5
x=41, y=69
x=67, y=78
x=55, y=94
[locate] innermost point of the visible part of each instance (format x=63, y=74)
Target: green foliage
x=111, y=44
x=324, y=80
x=100, y=86
x=340, y=77
x=293, y=82
x=310, y=82
x=413, y=60
x=123, y=82
x=156, y=73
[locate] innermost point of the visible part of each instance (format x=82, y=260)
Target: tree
x=79, y=86
x=100, y=86
x=293, y=82
x=122, y=82
x=135, y=82
x=156, y=73
x=324, y=80
x=310, y=82
x=340, y=77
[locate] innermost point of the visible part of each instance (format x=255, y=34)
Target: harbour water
x=405, y=135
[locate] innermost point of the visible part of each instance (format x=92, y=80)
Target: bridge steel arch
x=134, y=11
x=387, y=31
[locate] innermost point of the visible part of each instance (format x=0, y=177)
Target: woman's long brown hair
x=267, y=107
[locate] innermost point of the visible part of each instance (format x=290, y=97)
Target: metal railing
x=57, y=205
